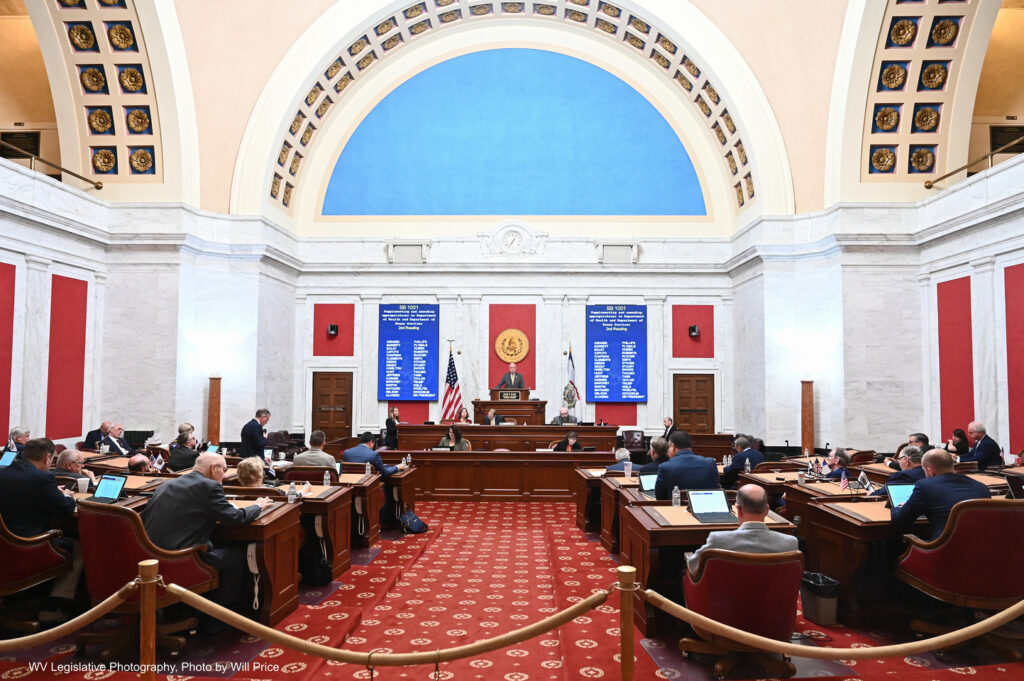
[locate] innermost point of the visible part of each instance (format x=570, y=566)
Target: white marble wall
x=844, y=297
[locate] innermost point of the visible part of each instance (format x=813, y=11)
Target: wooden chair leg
x=692, y=645
x=777, y=667
x=725, y=664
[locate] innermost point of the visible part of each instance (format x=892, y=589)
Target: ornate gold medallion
x=894, y=76
x=93, y=80
x=944, y=32
x=131, y=79
x=100, y=121
x=511, y=345
x=903, y=32
x=138, y=120
x=887, y=118
x=82, y=37
x=883, y=160
x=104, y=160
x=934, y=76
x=121, y=36
x=922, y=160
x=926, y=118
x=141, y=160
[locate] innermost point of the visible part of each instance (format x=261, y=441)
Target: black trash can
x=819, y=594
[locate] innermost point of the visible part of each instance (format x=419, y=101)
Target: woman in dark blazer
x=568, y=444
x=391, y=429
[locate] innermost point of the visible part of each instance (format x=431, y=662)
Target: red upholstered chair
x=750, y=591
x=80, y=445
x=114, y=540
x=28, y=561
x=862, y=456
x=314, y=474
x=971, y=564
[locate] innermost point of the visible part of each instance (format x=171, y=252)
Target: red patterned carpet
x=484, y=569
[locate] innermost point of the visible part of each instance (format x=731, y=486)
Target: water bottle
x=369, y=469
x=746, y=466
x=293, y=493
x=408, y=458
x=327, y=478
x=677, y=499
x=628, y=468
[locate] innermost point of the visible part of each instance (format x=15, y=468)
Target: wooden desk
x=525, y=412
x=611, y=507
x=334, y=505
x=400, y=490
x=516, y=438
x=498, y=476
x=367, y=496
x=651, y=531
x=877, y=473
x=587, y=491
x=276, y=535
x=840, y=538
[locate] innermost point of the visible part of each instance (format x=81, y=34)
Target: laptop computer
x=8, y=458
x=647, y=484
x=1016, y=483
x=108, y=489
x=710, y=506
x=898, y=494
x=212, y=449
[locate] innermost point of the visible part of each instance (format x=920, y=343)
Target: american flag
x=452, y=401
x=844, y=484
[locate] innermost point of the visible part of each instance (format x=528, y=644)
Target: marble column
x=302, y=322
x=469, y=340
x=36, y=355
x=370, y=413
x=987, y=407
x=94, y=350
x=929, y=353
x=551, y=343
x=659, y=381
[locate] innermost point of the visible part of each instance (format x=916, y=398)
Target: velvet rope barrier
x=390, y=659
x=88, y=617
x=773, y=646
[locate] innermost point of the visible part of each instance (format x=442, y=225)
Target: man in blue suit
x=684, y=469
x=254, y=439
x=937, y=493
x=743, y=454
x=985, y=450
x=94, y=438
x=363, y=453
x=910, y=469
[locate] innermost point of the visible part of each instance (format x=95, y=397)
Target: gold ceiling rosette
x=121, y=36
x=934, y=76
x=883, y=160
x=926, y=118
x=93, y=79
x=138, y=120
x=103, y=160
x=887, y=118
x=141, y=160
x=903, y=32
x=82, y=37
x=100, y=121
x=923, y=160
x=894, y=76
x=131, y=79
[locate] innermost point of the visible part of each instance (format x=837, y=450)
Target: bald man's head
x=753, y=501
x=937, y=462
x=211, y=466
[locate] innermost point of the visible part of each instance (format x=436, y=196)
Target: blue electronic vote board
x=616, y=353
x=407, y=352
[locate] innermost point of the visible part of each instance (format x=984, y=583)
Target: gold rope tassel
x=773, y=646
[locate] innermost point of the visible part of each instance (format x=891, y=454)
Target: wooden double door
x=332, y=403
x=693, y=402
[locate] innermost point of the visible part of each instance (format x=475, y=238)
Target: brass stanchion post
x=627, y=584
x=147, y=618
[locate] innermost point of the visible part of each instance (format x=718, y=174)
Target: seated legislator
x=454, y=440
x=958, y=444
x=935, y=495
x=116, y=442
x=753, y=535
x=919, y=440
x=29, y=498
x=94, y=438
x=985, y=450
x=315, y=455
x=183, y=429
x=658, y=454
x=71, y=464
x=183, y=454
x=684, y=469
x=463, y=416
x=18, y=437
x=910, y=469
x=140, y=463
x=744, y=453
x=184, y=512
x=250, y=473
x=569, y=443
x=254, y=435
x=493, y=418
x=391, y=429
x=621, y=457
x=364, y=453
x=837, y=461
x=563, y=418
x=511, y=379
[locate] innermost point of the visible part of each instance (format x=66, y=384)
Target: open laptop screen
x=8, y=458
x=898, y=494
x=707, y=501
x=647, y=483
x=110, y=486
x=1016, y=483
x=212, y=449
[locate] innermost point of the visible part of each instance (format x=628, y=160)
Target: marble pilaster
x=369, y=413
x=659, y=380
x=987, y=407
x=36, y=346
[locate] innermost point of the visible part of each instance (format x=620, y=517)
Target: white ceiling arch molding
x=667, y=50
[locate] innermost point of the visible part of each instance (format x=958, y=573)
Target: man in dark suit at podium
x=511, y=379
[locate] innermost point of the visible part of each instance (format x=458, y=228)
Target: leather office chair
x=633, y=440
x=749, y=591
x=114, y=540
x=768, y=466
x=314, y=474
x=862, y=456
x=983, y=539
x=28, y=562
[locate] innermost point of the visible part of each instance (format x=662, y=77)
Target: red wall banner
x=956, y=356
x=65, y=385
x=7, y=273
x=500, y=318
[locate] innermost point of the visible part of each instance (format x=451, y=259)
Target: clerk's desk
x=650, y=530
x=513, y=437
